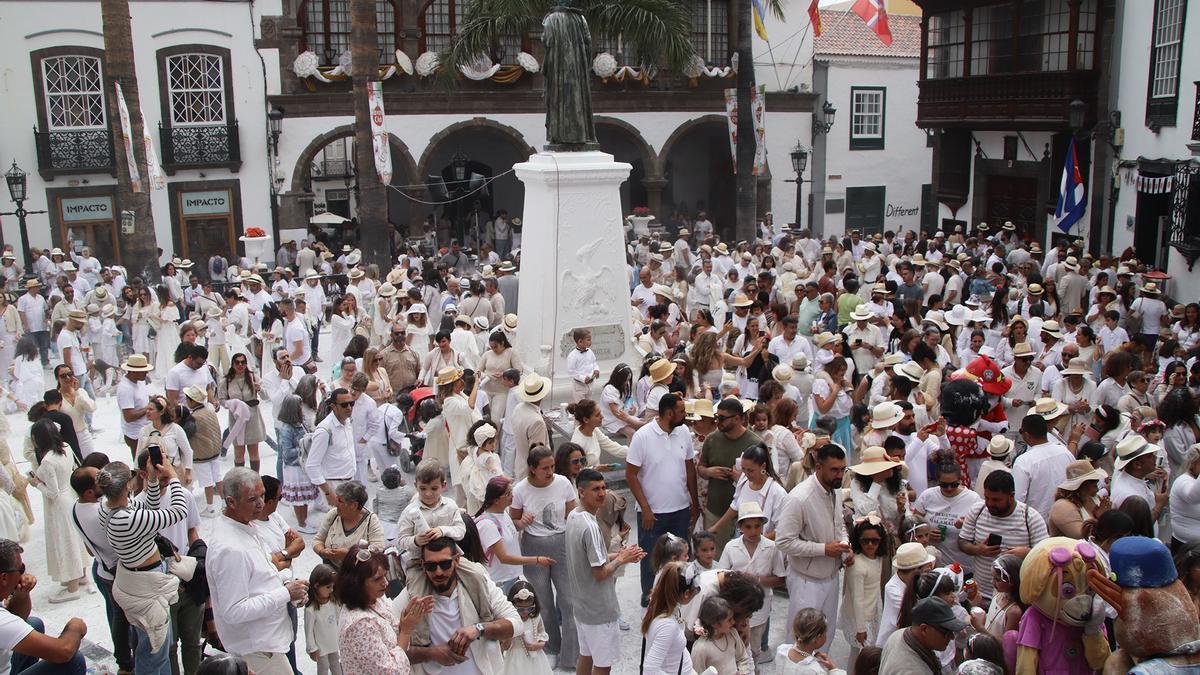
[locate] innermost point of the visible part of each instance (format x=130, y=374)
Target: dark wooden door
x=1152, y=211
x=1015, y=198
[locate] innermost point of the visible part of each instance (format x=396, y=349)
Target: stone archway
x=491, y=149
x=625, y=143
x=697, y=171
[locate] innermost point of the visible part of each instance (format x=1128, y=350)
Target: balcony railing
x=74, y=151
x=212, y=145
x=331, y=168
x=1001, y=102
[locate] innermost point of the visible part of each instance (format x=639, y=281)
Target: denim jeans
x=676, y=523
x=30, y=665
x=148, y=662
x=43, y=342
x=118, y=625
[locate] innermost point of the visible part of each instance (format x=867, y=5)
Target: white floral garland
x=427, y=64
x=604, y=65
x=480, y=69
x=526, y=61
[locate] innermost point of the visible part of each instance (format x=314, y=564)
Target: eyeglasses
x=344, y=404
x=434, y=565
x=870, y=540
x=65, y=376
x=949, y=486
x=19, y=570
x=578, y=461
x=722, y=418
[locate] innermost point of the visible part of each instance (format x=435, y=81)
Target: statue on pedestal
x=569, y=126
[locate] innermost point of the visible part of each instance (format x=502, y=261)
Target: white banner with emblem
x=379, y=135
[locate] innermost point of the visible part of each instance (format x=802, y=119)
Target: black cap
x=935, y=612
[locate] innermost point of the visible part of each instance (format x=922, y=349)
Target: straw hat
x=481, y=323
x=32, y=283
x=722, y=248
x=889, y=360
x=783, y=373
x=1132, y=447
x=1048, y=408
x=664, y=291
x=701, y=407
x=661, y=371
x=999, y=446
x=1051, y=328
x=1076, y=366
x=255, y=279
x=108, y=310
x=938, y=318
x=137, y=363
x=885, y=415
x=683, y=232
x=195, y=393
x=958, y=315
x=463, y=320
x=918, y=260
x=800, y=363
x=1079, y=472
x=1035, y=289
x=1071, y=263
x=535, y=388
x=386, y=290
x=826, y=338
x=874, y=460
x=862, y=313
x=911, y=371
x=750, y=509
x=416, y=308
x=879, y=287
x=740, y=300
x=447, y=375
x=55, y=251
x=77, y=315
x=356, y=273
x=1150, y=288
x=911, y=556
x=69, y=267
x=1022, y=350
x=1008, y=225
x=354, y=258
x=506, y=266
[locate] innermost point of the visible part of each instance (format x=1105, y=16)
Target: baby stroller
x=419, y=406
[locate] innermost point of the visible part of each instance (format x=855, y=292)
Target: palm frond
x=659, y=30
x=775, y=7
x=485, y=22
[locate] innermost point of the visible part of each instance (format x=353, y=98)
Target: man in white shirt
x=331, y=457
x=1026, y=389
x=642, y=296
x=24, y=645
x=1038, y=471
x=249, y=596
x=865, y=340
x=133, y=397
x=790, y=343
x=662, y=477
x=707, y=287
x=33, y=309
x=296, y=337
x=192, y=370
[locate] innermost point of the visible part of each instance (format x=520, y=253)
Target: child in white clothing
x=582, y=365
x=429, y=516
x=391, y=499
x=754, y=554
x=526, y=653
x=320, y=621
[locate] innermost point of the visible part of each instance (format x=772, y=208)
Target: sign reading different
x=213, y=202
x=76, y=209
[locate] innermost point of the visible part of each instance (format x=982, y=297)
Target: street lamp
x=1107, y=130
x=458, y=164
x=823, y=125
x=17, y=189
x=275, y=125
x=799, y=155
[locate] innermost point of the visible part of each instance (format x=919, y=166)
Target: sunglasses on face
x=579, y=461
x=867, y=541
x=19, y=570
x=433, y=566
x=344, y=404
x=239, y=362
x=722, y=418
x=949, y=486
x=65, y=376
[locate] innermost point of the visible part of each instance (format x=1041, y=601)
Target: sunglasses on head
x=434, y=565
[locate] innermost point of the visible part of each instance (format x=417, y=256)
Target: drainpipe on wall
x=818, y=145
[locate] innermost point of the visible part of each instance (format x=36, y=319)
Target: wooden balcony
x=1010, y=102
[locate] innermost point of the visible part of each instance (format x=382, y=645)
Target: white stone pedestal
x=573, y=272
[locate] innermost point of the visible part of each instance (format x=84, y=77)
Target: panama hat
x=656, y=257
x=354, y=258
x=664, y=291
x=1079, y=472
x=862, y=313
x=783, y=373
x=1077, y=366
x=1132, y=447
x=885, y=415
x=1071, y=263
x=481, y=323
x=750, y=509
x=77, y=315
x=1022, y=350
x=1034, y=289
x=683, y=232
x=506, y=266
x=463, y=320
x=918, y=260
x=740, y=300
x=447, y=375
x=958, y=315
x=255, y=279
x=32, y=283
x=891, y=360
x=356, y=273
x=661, y=371
x=195, y=393
x=936, y=317
x=55, y=251
x=911, y=371
x=510, y=321
x=69, y=267
x=999, y=446
x=879, y=287
x=1051, y=328
x=1008, y=225
x=137, y=363
x=911, y=556
x=93, y=309
x=213, y=312
x=826, y=338
x=8, y=256
x=701, y=407
x=535, y=388
x=386, y=290
x=108, y=310
x=982, y=227
x=722, y=248
x=874, y=460
x=800, y=363
x=1048, y=408
x=1150, y=288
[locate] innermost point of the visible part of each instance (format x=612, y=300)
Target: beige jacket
x=811, y=518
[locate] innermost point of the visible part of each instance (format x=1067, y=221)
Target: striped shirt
x=131, y=529
x=1022, y=527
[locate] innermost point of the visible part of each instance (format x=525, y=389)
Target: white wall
x=190, y=22
x=1135, y=22
x=903, y=165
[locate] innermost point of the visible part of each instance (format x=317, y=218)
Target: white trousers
x=819, y=594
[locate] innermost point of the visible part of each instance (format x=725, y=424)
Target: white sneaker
x=622, y=624
x=64, y=596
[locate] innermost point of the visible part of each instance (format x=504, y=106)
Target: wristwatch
x=479, y=629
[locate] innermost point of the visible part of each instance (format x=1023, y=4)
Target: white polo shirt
x=660, y=456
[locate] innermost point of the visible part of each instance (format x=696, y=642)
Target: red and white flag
x=874, y=14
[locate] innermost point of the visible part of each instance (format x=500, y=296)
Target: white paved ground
x=90, y=607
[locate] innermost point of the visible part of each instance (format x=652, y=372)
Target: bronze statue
x=569, y=125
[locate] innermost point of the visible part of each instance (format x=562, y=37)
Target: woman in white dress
x=10, y=333
x=64, y=552
x=271, y=335
x=169, y=436
x=459, y=413
x=166, y=323
x=28, y=380
x=342, y=320
x=139, y=319
x=77, y=405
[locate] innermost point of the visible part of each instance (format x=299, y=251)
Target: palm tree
x=747, y=182
x=373, y=227
x=139, y=251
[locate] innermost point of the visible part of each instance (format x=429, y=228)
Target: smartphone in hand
x=156, y=455
x=994, y=540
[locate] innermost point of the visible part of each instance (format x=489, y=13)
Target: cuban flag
x=1071, y=202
